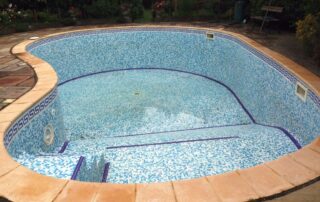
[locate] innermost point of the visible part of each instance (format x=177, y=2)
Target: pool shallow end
x=20, y=184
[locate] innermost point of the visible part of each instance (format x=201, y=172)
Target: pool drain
x=48, y=134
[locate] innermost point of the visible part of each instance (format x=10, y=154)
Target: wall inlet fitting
x=301, y=91
x=210, y=35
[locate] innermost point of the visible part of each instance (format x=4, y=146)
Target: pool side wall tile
x=21, y=184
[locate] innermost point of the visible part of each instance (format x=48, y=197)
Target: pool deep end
x=263, y=90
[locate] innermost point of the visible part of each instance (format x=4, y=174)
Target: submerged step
x=91, y=170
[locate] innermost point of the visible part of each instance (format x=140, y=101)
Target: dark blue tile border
x=173, y=142
x=64, y=146
x=188, y=129
x=28, y=116
x=287, y=133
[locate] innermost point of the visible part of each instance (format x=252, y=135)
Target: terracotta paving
x=21, y=184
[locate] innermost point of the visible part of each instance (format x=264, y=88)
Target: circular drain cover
x=48, y=134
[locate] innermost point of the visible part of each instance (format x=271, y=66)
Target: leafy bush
x=185, y=7
x=47, y=17
x=308, y=31
x=103, y=8
x=21, y=27
x=68, y=21
x=136, y=9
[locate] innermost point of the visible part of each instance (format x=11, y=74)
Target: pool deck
x=26, y=80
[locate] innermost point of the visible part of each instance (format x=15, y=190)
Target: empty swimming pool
x=137, y=105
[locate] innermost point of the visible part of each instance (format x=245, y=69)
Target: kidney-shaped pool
x=138, y=105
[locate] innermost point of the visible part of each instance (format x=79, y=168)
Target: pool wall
x=27, y=133
x=265, y=88
x=264, y=181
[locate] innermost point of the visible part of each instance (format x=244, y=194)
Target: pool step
x=176, y=137
x=53, y=164
x=91, y=170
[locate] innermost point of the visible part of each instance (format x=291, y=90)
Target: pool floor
x=157, y=125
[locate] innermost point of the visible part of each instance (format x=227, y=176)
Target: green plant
x=47, y=17
x=186, y=7
x=308, y=31
x=68, y=21
x=21, y=27
x=103, y=8
x=136, y=9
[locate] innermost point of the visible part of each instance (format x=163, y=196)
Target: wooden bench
x=266, y=18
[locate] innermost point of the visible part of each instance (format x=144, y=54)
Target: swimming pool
x=160, y=104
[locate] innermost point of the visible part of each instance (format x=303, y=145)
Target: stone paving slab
x=194, y=190
x=17, y=69
x=6, y=59
x=29, y=82
x=13, y=92
x=227, y=187
x=12, y=80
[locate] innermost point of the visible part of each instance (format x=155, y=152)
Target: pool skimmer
x=301, y=91
x=210, y=35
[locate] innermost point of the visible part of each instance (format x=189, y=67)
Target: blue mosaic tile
x=253, y=89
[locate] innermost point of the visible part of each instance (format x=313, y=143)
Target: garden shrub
x=21, y=27
x=186, y=7
x=308, y=31
x=103, y=8
x=136, y=9
x=47, y=17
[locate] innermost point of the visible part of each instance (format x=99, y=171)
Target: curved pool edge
x=270, y=179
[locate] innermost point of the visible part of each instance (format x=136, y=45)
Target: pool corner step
x=91, y=170
x=105, y=172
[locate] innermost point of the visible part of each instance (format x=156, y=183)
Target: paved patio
x=17, y=78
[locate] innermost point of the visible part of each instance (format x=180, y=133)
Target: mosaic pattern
x=262, y=89
x=54, y=165
x=259, y=54
x=30, y=138
x=92, y=170
x=28, y=116
x=159, y=163
x=152, y=101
